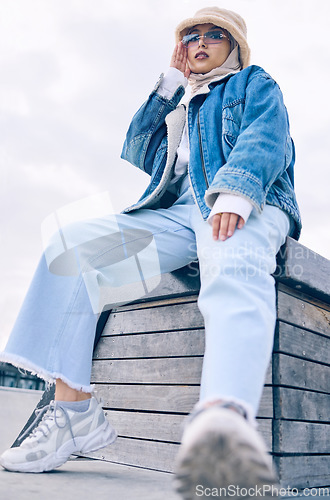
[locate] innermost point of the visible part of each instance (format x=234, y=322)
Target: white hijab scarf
x=199, y=82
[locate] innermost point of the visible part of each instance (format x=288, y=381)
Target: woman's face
x=203, y=56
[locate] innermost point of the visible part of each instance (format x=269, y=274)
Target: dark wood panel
x=300, y=342
x=296, y=404
x=295, y=372
x=301, y=437
x=304, y=472
x=302, y=314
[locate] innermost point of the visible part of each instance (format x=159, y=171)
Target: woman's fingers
x=179, y=58
x=216, y=226
x=228, y=225
x=224, y=225
x=240, y=223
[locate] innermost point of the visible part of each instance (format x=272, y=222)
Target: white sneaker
x=221, y=453
x=60, y=433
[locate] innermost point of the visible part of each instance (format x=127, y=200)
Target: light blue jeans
x=115, y=259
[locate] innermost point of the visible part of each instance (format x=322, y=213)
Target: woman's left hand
x=225, y=224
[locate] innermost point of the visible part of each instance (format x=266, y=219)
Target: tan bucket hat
x=223, y=18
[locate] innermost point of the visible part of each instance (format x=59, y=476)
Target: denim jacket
x=239, y=142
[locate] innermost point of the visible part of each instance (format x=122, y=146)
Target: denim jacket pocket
x=230, y=141
x=230, y=131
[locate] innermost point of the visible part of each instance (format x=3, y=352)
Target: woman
x=225, y=160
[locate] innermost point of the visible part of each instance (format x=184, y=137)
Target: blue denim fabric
x=239, y=141
x=54, y=332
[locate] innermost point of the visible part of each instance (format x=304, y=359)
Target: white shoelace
x=46, y=415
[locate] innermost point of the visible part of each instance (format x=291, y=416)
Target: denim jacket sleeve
x=148, y=129
x=261, y=147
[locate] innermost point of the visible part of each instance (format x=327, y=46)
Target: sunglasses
x=210, y=38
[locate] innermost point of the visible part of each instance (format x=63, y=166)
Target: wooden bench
x=147, y=368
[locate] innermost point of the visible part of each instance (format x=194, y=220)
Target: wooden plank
x=147, y=425
x=303, y=269
x=289, y=340
x=157, y=302
x=164, y=398
x=301, y=437
x=139, y=453
x=165, y=344
x=302, y=314
x=295, y=372
x=151, y=454
x=167, y=318
x=152, y=371
x=266, y=431
x=304, y=471
x=296, y=404
x=164, y=427
x=303, y=343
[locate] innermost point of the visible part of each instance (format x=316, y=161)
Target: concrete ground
x=86, y=479
x=16, y=406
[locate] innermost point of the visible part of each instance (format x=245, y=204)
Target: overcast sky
x=72, y=74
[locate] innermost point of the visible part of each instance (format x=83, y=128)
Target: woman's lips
x=201, y=55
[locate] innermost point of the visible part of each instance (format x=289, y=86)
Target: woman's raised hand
x=179, y=59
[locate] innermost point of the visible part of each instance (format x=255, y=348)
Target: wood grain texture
x=303, y=471
x=303, y=314
x=155, y=454
x=165, y=398
x=295, y=372
x=297, y=404
x=155, y=319
x=303, y=343
x=185, y=370
x=165, y=344
x=301, y=437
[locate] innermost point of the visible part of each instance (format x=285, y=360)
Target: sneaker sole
x=103, y=436
x=221, y=450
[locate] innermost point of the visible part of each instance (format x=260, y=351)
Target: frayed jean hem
x=50, y=378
